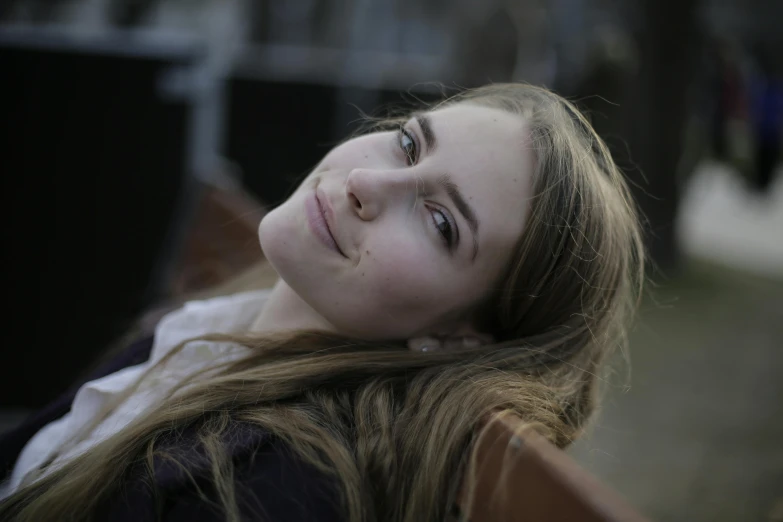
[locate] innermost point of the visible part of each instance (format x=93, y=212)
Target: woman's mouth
x=316, y=219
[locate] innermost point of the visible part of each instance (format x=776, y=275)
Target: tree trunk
x=658, y=113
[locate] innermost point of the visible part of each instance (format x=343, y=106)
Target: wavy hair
x=392, y=427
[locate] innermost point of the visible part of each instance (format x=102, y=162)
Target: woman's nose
x=370, y=191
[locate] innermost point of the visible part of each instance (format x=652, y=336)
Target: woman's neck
x=284, y=310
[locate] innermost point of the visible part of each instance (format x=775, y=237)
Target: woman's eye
x=444, y=226
x=408, y=146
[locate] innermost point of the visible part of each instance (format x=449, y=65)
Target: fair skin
x=411, y=260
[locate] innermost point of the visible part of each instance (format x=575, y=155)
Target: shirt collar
x=226, y=314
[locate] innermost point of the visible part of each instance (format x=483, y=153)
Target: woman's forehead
x=481, y=144
x=469, y=116
x=479, y=136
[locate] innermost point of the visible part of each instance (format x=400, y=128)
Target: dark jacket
x=272, y=484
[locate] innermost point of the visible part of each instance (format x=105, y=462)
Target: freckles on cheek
x=404, y=282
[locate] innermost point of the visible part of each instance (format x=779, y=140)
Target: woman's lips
x=316, y=218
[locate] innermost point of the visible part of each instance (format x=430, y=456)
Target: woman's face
x=400, y=234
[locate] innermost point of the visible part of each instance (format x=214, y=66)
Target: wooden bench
x=522, y=477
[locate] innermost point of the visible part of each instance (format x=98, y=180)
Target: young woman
x=482, y=255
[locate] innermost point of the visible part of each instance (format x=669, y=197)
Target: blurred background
x=144, y=139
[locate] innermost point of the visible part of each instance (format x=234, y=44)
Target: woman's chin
x=278, y=239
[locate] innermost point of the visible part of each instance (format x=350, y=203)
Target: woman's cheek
x=402, y=277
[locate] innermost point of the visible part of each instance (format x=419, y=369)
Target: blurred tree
x=644, y=120
x=657, y=109
x=129, y=13
x=36, y=11
x=7, y=10
x=487, y=48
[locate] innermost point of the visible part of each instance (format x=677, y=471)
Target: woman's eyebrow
x=426, y=129
x=464, y=208
x=448, y=184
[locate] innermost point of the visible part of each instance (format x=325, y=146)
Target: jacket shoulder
x=270, y=483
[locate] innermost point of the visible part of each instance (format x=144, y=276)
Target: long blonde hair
x=393, y=428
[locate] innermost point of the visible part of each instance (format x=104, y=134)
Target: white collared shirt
x=229, y=314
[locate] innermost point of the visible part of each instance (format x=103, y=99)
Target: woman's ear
x=456, y=341
x=424, y=344
x=465, y=341
x=467, y=336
